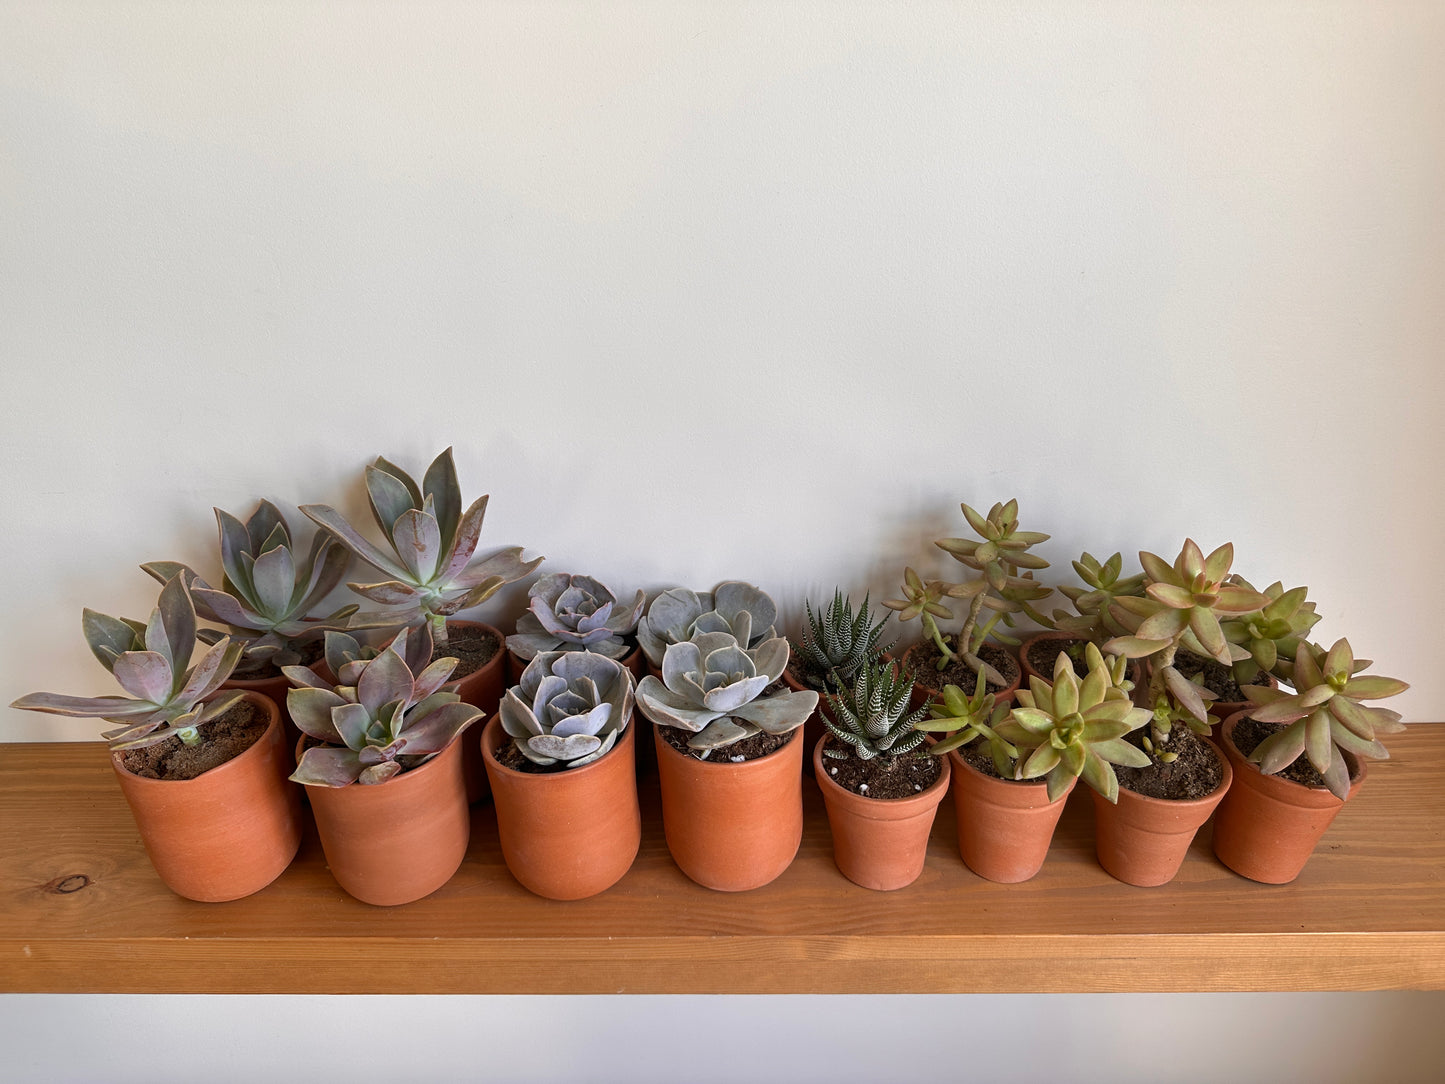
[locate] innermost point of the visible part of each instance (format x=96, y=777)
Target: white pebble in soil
x=737, y=760
x=862, y=788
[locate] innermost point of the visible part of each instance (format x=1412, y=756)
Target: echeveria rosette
x=344, y=652
x=389, y=713
x=569, y=708
x=735, y=607
x=712, y=687
x=574, y=613
x=149, y=662
x=431, y=567
x=266, y=594
x=1325, y=716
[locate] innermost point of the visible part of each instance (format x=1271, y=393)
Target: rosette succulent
x=569, y=708
x=837, y=643
x=149, y=661
x=872, y=715
x=431, y=567
x=713, y=686
x=391, y=719
x=1102, y=584
x=1274, y=632
x=574, y=613
x=267, y=591
x=740, y=609
x=965, y=718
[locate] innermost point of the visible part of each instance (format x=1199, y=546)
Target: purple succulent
x=574, y=613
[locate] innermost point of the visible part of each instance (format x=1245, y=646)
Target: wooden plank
x=81, y=910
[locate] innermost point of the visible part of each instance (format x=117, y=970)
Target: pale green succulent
x=569, y=707
x=872, y=715
x=837, y=643
x=1273, y=632
x=674, y=616
x=965, y=718
x=1102, y=585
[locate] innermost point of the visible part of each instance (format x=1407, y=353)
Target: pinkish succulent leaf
x=440, y=484
x=333, y=521
x=435, y=731
x=146, y=675
x=273, y=575
x=328, y=766
x=417, y=541
x=86, y=707
x=212, y=671
x=108, y=637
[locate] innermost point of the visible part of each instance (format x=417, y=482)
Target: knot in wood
x=66, y=885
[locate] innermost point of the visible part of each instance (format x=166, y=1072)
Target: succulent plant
x=1273, y=632
x=267, y=593
x=569, y=707
x=837, y=643
x=712, y=686
x=677, y=614
x=872, y=714
x=433, y=574
x=149, y=661
x=1075, y=729
x=392, y=718
x=344, y=651
x=1102, y=585
x=574, y=613
x=1325, y=715
x=965, y=718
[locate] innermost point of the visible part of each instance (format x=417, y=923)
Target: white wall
x=703, y=291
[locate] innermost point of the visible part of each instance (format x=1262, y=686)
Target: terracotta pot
x=1004, y=828
x=570, y=834
x=228, y=832
x=1141, y=840
x=1267, y=827
x=879, y=843
x=924, y=691
x=482, y=688
x=397, y=841
x=813, y=729
x=732, y=827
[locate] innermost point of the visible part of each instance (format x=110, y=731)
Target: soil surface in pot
x=473, y=648
x=924, y=658
x=221, y=740
x=1249, y=732
x=263, y=669
x=1043, y=654
x=1218, y=678
x=759, y=745
x=883, y=776
x=1195, y=773
x=976, y=755
x=509, y=756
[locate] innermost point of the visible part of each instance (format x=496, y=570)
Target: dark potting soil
x=976, y=755
x=884, y=776
x=1195, y=773
x=759, y=745
x=1218, y=678
x=253, y=670
x=1249, y=732
x=923, y=658
x=473, y=648
x=1045, y=653
x=222, y=739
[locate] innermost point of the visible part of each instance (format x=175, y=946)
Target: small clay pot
x=483, y=689
x=228, y=832
x=1141, y=840
x=570, y=834
x=1267, y=827
x=732, y=827
x=924, y=692
x=395, y=842
x=879, y=843
x=1004, y=828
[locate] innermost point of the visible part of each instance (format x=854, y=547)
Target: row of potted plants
x=1117, y=694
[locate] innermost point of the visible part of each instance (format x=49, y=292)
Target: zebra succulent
x=574, y=613
x=569, y=708
x=737, y=608
x=872, y=715
x=149, y=662
x=837, y=643
x=431, y=567
x=713, y=687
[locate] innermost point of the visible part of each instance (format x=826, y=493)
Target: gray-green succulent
x=872, y=717
x=574, y=613
x=837, y=643
x=569, y=708
x=675, y=615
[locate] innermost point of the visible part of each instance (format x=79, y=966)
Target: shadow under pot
x=732, y=827
x=1004, y=826
x=1267, y=826
x=231, y=830
x=394, y=842
x=566, y=834
x=879, y=843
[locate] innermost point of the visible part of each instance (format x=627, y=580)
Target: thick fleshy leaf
x=735, y=597
x=1187, y=693
x=417, y=540
x=326, y=516
x=1284, y=710
x=592, y=722
x=108, y=637
x=781, y=713
x=86, y=707
x=1318, y=746
x=388, y=592
x=1156, y=568
x=1371, y=687
x=518, y=719
x=235, y=540
x=565, y=747
x=353, y=723
x=1040, y=762
x=624, y=618
x=437, y=729
x=325, y=566
x=1205, y=627
x=720, y=733
x=386, y=678
x=1354, y=717
x=274, y=577
x=770, y=658
x=433, y=677
x=1171, y=595
x=1238, y=600
x=226, y=608
x=303, y=677
x=146, y=675
x=178, y=620
x=310, y=710
x=663, y=706
x=328, y=766
x=212, y=671
x=1163, y=625
x=731, y=698
x=1216, y=565
x=505, y=565
x=390, y=496
x=440, y=484
x=1351, y=742
x=1337, y=778
x=1280, y=750
x=1118, y=751
x=464, y=544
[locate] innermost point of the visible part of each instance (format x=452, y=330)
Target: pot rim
x=928, y=796
x=796, y=734
x=1226, y=734
x=1185, y=803
x=257, y=747
x=624, y=738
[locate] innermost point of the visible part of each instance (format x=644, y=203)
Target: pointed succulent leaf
x=327, y=517
x=214, y=669
x=108, y=637
x=417, y=541
x=385, y=679
x=146, y=675
x=440, y=484
x=328, y=766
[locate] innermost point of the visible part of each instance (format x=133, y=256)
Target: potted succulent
x=381, y=758
x=433, y=575
x=880, y=791
x=729, y=757
x=1091, y=622
x=1269, y=636
x=576, y=613
x=1297, y=758
x=204, y=771
x=1005, y=586
x=563, y=773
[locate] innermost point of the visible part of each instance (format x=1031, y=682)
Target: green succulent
x=1272, y=633
x=872, y=714
x=837, y=643
x=1102, y=585
x=965, y=718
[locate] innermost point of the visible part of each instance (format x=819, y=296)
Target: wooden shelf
x=83, y=911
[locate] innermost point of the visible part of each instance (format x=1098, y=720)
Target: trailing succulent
x=574, y=613
x=569, y=708
x=149, y=661
x=712, y=686
x=1325, y=715
x=676, y=615
x=384, y=718
x=431, y=567
x=267, y=592
x=872, y=715
x=837, y=643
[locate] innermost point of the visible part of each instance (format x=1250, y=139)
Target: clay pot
x=483, y=689
x=879, y=843
x=397, y=841
x=732, y=827
x=1004, y=828
x=1141, y=840
x=813, y=728
x=570, y=834
x=924, y=692
x=228, y=832
x=1267, y=827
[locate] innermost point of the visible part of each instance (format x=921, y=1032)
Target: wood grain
x=82, y=910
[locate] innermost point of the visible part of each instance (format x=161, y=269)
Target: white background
x=707, y=291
